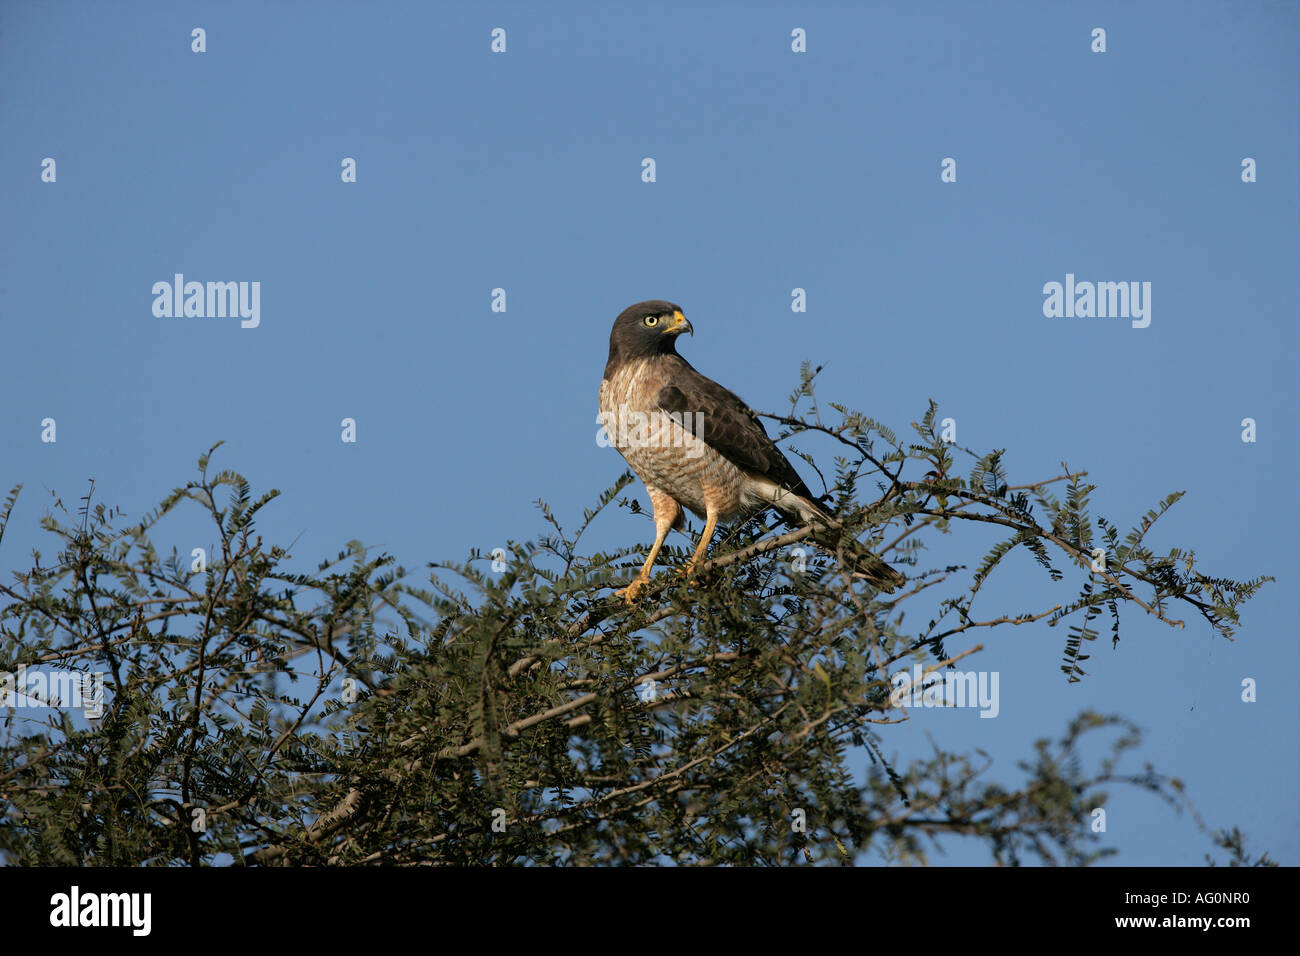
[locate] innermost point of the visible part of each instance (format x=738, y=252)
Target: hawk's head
x=645, y=329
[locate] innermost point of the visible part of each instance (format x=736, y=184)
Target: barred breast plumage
x=664, y=454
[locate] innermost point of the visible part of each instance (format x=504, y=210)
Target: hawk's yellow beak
x=679, y=325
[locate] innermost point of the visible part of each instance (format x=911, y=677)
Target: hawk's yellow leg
x=667, y=513
x=710, y=525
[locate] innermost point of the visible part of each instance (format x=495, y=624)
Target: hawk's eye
x=651, y=321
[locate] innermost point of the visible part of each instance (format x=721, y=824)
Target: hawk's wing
x=726, y=425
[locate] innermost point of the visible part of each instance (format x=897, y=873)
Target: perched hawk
x=696, y=445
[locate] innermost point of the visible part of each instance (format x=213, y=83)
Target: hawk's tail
x=865, y=564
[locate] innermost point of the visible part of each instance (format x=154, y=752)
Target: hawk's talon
x=629, y=593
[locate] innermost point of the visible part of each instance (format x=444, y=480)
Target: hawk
x=696, y=445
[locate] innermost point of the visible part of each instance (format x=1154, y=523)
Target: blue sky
x=774, y=170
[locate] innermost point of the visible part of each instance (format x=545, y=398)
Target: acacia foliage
x=510, y=709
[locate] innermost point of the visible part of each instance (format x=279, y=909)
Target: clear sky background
x=775, y=170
